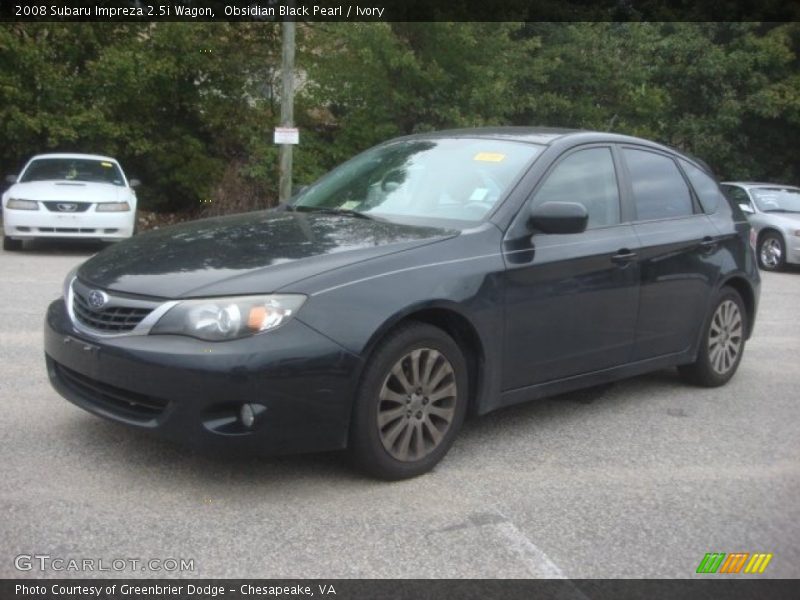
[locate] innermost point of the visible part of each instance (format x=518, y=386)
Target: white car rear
x=81, y=196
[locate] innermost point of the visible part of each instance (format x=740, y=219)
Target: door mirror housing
x=11, y=179
x=746, y=208
x=134, y=183
x=559, y=217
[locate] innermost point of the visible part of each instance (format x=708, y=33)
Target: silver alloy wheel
x=725, y=337
x=771, y=252
x=417, y=404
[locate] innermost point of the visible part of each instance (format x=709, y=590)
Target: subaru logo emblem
x=97, y=299
x=67, y=206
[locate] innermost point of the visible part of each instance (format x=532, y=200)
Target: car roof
x=753, y=184
x=536, y=135
x=550, y=135
x=74, y=155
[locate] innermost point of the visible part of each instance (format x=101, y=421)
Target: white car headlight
x=20, y=204
x=113, y=207
x=217, y=319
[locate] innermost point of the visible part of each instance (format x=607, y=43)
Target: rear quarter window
x=705, y=187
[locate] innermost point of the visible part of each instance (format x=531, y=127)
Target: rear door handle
x=623, y=257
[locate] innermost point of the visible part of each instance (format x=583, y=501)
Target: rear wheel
x=771, y=252
x=11, y=245
x=411, y=403
x=723, y=342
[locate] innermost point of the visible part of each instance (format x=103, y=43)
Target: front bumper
x=793, y=249
x=192, y=391
x=42, y=223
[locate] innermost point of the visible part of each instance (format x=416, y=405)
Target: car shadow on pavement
x=144, y=455
x=122, y=448
x=529, y=419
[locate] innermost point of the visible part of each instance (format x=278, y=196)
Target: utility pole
x=287, y=108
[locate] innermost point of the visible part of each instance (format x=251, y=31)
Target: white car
x=69, y=196
x=773, y=210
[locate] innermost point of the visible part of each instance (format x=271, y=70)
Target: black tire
x=420, y=352
x=771, y=252
x=724, y=332
x=10, y=245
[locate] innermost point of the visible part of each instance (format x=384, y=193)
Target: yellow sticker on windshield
x=107, y=164
x=489, y=157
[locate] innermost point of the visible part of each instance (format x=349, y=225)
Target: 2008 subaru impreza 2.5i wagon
x=429, y=277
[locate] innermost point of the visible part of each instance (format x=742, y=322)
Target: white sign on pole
x=287, y=135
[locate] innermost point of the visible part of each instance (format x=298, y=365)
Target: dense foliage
x=190, y=108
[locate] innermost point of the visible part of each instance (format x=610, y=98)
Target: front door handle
x=623, y=257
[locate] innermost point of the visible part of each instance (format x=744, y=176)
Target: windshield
x=451, y=179
x=73, y=169
x=777, y=199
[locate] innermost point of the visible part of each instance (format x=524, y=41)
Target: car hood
x=782, y=219
x=71, y=191
x=248, y=253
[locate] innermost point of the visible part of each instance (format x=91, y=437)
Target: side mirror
x=746, y=208
x=559, y=217
x=11, y=179
x=134, y=183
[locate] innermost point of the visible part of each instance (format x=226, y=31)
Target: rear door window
x=659, y=190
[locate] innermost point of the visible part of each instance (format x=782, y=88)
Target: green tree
x=367, y=82
x=175, y=102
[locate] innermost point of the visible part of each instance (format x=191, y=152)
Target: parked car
x=69, y=196
x=774, y=212
x=429, y=277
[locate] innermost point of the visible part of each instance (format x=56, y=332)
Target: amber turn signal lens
x=256, y=318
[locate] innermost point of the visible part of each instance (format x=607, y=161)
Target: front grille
x=125, y=403
x=66, y=206
x=113, y=319
x=66, y=230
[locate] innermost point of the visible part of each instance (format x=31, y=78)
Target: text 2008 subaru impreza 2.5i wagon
x=431, y=276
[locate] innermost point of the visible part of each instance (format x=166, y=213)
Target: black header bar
x=401, y=10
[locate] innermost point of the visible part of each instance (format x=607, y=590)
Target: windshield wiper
x=328, y=210
x=781, y=210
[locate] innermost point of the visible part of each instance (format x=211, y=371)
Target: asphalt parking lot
x=637, y=480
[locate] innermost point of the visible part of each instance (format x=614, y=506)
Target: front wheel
x=771, y=252
x=723, y=342
x=411, y=403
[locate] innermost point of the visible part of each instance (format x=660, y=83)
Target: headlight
x=217, y=319
x=20, y=204
x=113, y=207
